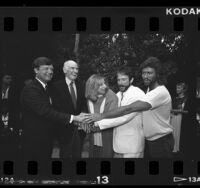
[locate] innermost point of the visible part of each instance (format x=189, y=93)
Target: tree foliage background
x=105, y=53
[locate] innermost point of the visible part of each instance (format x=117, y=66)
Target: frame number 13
x=102, y=180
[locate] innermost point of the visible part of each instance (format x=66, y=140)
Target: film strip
x=17, y=22
x=104, y=24
x=101, y=172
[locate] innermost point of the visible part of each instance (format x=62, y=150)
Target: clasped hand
x=86, y=122
x=88, y=128
x=88, y=118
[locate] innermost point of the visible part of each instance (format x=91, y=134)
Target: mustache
x=121, y=86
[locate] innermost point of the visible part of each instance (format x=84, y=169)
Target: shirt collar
x=68, y=81
x=43, y=84
x=5, y=95
x=6, y=89
x=123, y=93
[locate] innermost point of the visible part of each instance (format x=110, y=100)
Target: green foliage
x=105, y=53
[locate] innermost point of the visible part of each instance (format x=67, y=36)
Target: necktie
x=47, y=91
x=73, y=94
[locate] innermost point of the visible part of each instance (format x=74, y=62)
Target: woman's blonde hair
x=92, y=86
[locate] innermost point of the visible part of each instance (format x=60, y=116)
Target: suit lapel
x=67, y=95
x=38, y=84
x=78, y=90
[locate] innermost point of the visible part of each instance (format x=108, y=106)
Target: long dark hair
x=154, y=62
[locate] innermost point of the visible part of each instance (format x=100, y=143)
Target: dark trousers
x=97, y=151
x=37, y=151
x=9, y=146
x=161, y=147
x=73, y=149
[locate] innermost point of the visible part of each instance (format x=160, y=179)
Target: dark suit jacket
x=62, y=102
x=188, y=133
x=38, y=116
x=13, y=107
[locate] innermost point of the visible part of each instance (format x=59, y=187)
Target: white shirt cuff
x=71, y=119
x=96, y=124
x=101, y=127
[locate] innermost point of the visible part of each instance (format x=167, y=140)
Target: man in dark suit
x=69, y=97
x=10, y=116
x=38, y=113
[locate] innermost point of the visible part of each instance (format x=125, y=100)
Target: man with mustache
x=128, y=136
x=156, y=107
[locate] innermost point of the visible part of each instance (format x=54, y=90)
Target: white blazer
x=128, y=136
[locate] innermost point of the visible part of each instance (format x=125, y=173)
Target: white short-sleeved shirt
x=156, y=121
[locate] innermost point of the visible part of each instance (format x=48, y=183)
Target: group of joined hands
x=86, y=122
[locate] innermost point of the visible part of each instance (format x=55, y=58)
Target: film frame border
x=101, y=171
x=130, y=24
x=93, y=21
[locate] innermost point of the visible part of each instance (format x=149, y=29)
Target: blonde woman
x=100, y=99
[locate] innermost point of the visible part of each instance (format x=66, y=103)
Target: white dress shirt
x=5, y=95
x=68, y=81
x=44, y=86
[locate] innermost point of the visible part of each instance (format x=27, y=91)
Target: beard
x=147, y=82
x=123, y=88
x=150, y=82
